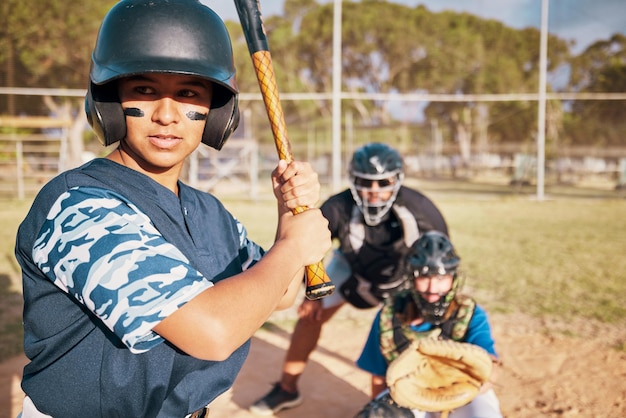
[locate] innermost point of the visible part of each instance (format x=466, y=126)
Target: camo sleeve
x=101, y=249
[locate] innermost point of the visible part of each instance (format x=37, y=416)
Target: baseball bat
x=318, y=284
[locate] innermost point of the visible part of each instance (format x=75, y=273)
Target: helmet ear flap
x=105, y=114
x=222, y=121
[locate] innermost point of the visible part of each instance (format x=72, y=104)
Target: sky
x=583, y=21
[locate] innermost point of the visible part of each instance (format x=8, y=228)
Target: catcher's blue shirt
x=106, y=254
x=371, y=359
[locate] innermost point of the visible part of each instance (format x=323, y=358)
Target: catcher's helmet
x=433, y=254
x=161, y=36
x=378, y=162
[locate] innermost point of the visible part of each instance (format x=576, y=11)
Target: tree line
x=386, y=48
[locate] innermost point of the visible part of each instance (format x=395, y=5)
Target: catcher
x=430, y=349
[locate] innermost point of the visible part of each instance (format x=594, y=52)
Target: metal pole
x=336, y=134
x=541, y=128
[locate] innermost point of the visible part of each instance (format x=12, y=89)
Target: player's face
x=433, y=287
x=165, y=118
x=375, y=191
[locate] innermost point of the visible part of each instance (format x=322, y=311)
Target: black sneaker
x=277, y=400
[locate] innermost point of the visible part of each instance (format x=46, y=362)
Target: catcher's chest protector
x=395, y=336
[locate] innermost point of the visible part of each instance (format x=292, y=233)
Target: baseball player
x=374, y=222
x=141, y=293
x=430, y=307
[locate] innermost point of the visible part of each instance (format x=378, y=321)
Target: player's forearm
x=292, y=291
x=220, y=319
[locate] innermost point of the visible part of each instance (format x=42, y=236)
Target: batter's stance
x=140, y=292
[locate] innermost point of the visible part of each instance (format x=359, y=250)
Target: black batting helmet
x=161, y=36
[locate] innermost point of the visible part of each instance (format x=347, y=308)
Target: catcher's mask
x=433, y=254
x=378, y=163
x=161, y=36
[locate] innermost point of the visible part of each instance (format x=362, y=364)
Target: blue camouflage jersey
x=106, y=254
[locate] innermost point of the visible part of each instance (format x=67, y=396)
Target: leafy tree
x=482, y=56
x=388, y=47
x=51, y=39
x=601, y=68
x=280, y=41
x=50, y=43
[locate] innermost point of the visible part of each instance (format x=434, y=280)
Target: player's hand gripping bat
x=318, y=283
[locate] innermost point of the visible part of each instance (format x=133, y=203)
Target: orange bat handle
x=318, y=283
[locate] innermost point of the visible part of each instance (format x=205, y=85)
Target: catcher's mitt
x=384, y=407
x=438, y=375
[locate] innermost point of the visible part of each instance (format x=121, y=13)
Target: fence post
x=19, y=166
x=621, y=181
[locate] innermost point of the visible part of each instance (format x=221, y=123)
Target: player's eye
x=187, y=93
x=140, y=89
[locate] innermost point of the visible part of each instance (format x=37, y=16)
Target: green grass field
x=561, y=257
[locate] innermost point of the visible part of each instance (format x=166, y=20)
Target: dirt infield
x=549, y=370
